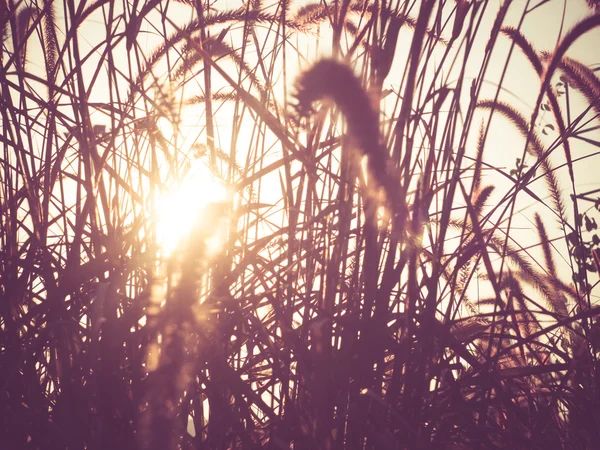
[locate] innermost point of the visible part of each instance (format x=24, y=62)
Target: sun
x=186, y=207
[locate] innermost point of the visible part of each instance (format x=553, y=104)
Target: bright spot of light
x=166, y=128
x=185, y=207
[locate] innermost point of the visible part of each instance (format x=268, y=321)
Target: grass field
x=294, y=225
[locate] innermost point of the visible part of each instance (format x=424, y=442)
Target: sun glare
x=185, y=207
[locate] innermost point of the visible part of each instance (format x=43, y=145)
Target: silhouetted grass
x=375, y=288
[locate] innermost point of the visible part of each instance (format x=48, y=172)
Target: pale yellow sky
x=541, y=26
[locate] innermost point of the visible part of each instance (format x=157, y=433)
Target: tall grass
x=409, y=254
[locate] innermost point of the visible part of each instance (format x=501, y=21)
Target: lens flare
x=186, y=208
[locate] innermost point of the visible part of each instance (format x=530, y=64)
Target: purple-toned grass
x=374, y=289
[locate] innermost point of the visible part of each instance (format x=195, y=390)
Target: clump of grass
x=331, y=316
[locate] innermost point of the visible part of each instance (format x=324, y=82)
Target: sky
x=543, y=25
